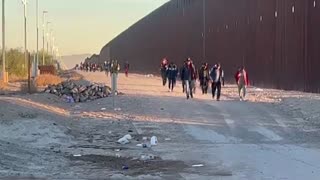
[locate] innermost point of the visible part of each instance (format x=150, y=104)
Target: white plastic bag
x=154, y=141
x=128, y=136
x=123, y=140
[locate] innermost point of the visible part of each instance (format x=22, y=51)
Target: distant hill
x=71, y=60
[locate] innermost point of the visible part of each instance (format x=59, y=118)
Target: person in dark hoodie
x=172, y=74
x=163, y=70
x=181, y=77
x=217, y=79
x=204, y=78
x=186, y=78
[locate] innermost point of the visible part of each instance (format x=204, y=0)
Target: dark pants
x=204, y=86
x=216, y=86
x=164, y=78
x=172, y=83
x=183, y=86
x=127, y=72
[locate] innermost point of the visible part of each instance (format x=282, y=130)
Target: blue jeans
x=188, y=88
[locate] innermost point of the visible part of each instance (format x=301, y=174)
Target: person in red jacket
x=242, y=80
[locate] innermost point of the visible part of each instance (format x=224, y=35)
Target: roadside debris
x=197, y=165
x=124, y=167
x=77, y=155
x=147, y=157
x=167, y=139
x=258, y=89
x=78, y=93
x=154, y=141
x=125, y=139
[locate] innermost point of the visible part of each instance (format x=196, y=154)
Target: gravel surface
x=40, y=134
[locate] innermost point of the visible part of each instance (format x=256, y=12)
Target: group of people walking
x=110, y=66
x=206, y=75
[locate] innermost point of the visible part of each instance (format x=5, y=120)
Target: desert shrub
x=47, y=79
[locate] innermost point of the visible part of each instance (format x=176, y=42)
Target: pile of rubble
x=79, y=93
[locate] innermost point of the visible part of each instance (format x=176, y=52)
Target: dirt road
x=274, y=135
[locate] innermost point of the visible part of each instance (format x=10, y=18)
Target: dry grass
x=15, y=78
x=47, y=79
x=2, y=85
x=71, y=75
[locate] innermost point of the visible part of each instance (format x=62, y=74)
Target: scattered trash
x=161, y=109
x=117, y=109
x=130, y=131
x=147, y=157
x=145, y=138
x=68, y=99
x=124, y=167
x=139, y=145
x=103, y=109
x=154, y=141
x=144, y=145
x=57, y=151
x=117, y=150
x=197, y=165
x=118, y=155
x=77, y=155
x=128, y=136
x=110, y=132
x=54, y=124
x=125, y=139
x=167, y=139
x=259, y=89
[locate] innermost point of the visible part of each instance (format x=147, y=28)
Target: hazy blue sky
x=79, y=26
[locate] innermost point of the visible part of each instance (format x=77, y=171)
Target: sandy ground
x=273, y=135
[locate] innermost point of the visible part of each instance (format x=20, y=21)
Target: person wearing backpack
x=172, y=74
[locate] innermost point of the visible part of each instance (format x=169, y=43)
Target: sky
x=79, y=26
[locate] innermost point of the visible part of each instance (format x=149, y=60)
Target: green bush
x=15, y=62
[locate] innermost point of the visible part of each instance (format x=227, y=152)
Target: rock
x=79, y=93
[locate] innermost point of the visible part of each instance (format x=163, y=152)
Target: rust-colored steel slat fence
x=277, y=40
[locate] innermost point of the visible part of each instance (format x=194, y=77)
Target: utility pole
x=47, y=35
x=25, y=32
x=37, y=21
x=3, y=44
x=43, y=34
